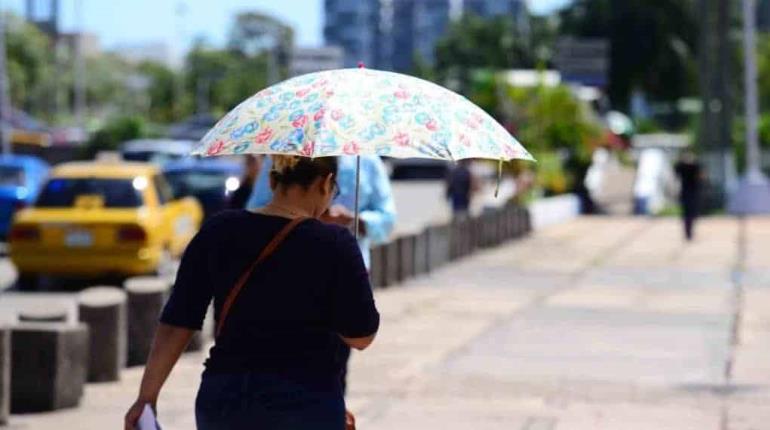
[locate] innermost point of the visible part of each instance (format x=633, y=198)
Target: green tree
x=29, y=64
x=478, y=43
x=161, y=91
x=255, y=34
x=652, y=44
x=114, y=132
x=558, y=129
x=763, y=63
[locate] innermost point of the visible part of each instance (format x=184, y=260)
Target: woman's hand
x=350, y=421
x=135, y=411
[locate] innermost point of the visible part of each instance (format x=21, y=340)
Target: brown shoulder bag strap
x=267, y=252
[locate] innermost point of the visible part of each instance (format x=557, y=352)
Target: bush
x=113, y=133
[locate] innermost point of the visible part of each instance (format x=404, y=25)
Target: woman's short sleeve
x=192, y=290
x=353, y=311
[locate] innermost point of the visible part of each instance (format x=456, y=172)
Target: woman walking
x=289, y=293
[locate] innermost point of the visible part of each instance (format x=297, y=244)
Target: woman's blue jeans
x=253, y=401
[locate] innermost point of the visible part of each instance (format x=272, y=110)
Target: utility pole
x=181, y=15
x=714, y=69
x=80, y=74
x=5, y=102
x=753, y=193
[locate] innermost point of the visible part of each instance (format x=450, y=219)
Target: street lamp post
x=753, y=193
x=5, y=102
x=80, y=74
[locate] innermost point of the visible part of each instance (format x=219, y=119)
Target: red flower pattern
x=300, y=122
x=264, y=136
x=307, y=149
x=351, y=148
x=216, y=148
x=401, y=139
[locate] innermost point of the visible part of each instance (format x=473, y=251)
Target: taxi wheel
x=28, y=282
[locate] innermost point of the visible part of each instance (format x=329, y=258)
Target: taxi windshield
x=116, y=193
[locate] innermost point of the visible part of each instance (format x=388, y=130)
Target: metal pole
x=181, y=14
x=753, y=193
x=5, y=103
x=752, y=99
x=80, y=74
x=358, y=187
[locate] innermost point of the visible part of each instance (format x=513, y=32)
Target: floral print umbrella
x=360, y=111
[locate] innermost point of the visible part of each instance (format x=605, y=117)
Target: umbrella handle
x=358, y=186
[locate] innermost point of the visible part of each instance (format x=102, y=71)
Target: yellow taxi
x=101, y=218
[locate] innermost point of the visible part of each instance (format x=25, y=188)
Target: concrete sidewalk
x=603, y=323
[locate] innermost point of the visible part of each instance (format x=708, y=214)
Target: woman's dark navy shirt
x=288, y=317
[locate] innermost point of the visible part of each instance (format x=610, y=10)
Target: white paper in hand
x=147, y=420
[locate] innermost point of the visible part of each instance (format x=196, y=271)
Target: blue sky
x=132, y=22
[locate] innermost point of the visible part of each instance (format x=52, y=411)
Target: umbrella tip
x=361, y=65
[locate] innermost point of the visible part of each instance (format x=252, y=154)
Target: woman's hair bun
x=284, y=163
x=294, y=170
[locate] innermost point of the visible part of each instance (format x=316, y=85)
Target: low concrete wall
x=553, y=210
x=414, y=254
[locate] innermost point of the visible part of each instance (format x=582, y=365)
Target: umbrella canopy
x=357, y=112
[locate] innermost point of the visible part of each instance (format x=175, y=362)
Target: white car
x=157, y=151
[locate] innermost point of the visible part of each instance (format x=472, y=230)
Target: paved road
x=603, y=323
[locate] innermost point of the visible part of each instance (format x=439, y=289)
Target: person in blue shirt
x=377, y=210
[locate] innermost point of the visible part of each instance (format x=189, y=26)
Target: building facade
x=354, y=26
x=417, y=25
x=309, y=60
x=763, y=16
x=514, y=9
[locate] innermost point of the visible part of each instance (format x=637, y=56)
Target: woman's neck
x=293, y=203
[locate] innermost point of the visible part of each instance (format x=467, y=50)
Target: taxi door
x=181, y=218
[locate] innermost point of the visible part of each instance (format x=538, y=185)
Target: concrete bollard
x=405, y=257
x=438, y=246
x=5, y=375
x=456, y=235
x=43, y=314
x=146, y=297
x=377, y=266
x=49, y=363
x=421, y=253
x=391, y=264
x=103, y=309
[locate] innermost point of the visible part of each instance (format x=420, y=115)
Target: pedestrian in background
x=461, y=184
x=690, y=175
x=289, y=291
x=251, y=168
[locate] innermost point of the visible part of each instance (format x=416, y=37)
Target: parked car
x=211, y=181
x=95, y=219
x=157, y=151
x=21, y=177
x=418, y=169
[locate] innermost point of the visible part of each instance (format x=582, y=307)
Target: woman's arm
x=168, y=345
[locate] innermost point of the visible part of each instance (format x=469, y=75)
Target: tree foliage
x=29, y=63
x=473, y=42
x=653, y=44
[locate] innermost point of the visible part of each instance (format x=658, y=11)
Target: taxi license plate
x=79, y=239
